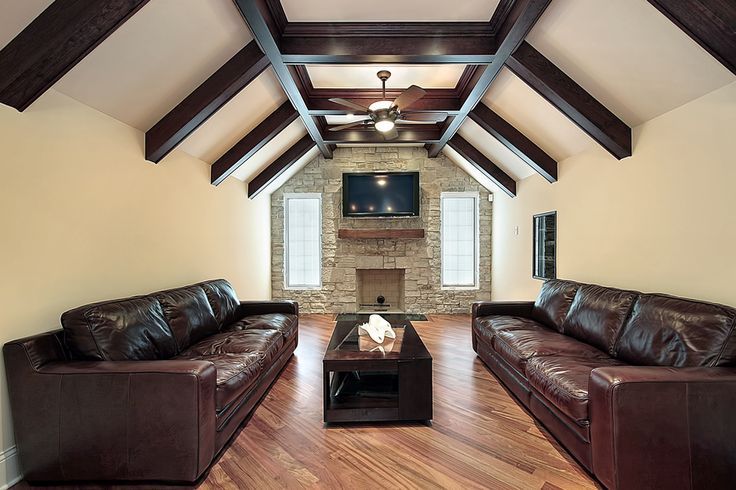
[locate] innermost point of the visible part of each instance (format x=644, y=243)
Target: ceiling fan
x=384, y=114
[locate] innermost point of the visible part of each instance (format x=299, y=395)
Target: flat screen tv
x=380, y=194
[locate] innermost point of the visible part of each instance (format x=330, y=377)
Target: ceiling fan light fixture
x=380, y=105
x=384, y=125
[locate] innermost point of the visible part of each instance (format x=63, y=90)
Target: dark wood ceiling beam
x=54, y=42
x=252, y=142
x=259, y=17
x=279, y=166
x=514, y=140
x=512, y=31
x=482, y=163
x=710, y=23
x=387, y=42
x=417, y=133
x=205, y=101
x=572, y=100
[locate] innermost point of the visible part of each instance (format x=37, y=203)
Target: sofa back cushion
x=223, y=300
x=553, y=302
x=189, y=315
x=668, y=331
x=119, y=330
x=597, y=314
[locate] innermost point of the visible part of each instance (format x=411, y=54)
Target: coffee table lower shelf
x=398, y=392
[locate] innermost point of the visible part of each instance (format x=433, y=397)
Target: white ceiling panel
x=402, y=76
x=627, y=55
x=239, y=116
x=271, y=151
x=156, y=59
x=504, y=158
x=388, y=10
x=16, y=15
x=540, y=121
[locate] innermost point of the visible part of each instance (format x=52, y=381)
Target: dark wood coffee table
x=365, y=383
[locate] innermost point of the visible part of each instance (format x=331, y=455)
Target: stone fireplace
x=374, y=283
x=355, y=270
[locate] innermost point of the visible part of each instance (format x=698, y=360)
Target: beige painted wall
x=84, y=217
x=662, y=220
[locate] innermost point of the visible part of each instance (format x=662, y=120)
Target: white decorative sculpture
x=377, y=328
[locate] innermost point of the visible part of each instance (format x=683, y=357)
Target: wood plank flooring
x=480, y=437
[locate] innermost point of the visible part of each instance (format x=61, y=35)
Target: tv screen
x=380, y=194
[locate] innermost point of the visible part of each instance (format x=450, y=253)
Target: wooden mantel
x=350, y=233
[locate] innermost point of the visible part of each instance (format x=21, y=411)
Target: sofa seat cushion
x=518, y=346
x=563, y=382
x=264, y=342
x=240, y=358
x=236, y=373
x=487, y=327
x=284, y=323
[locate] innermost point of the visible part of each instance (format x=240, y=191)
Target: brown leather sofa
x=639, y=388
x=145, y=388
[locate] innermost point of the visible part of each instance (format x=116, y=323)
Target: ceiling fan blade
x=347, y=103
x=409, y=96
x=424, y=116
x=349, y=125
x=391, y=135
x=414, y=123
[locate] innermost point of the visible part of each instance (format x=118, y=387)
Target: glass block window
x=303, y=241
x=459, y=236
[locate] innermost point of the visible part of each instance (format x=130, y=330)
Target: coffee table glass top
x=346, y=344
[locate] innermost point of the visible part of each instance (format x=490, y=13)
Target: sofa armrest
x=152, y=420
x=663, y=427
x=247, y=308
x=511, y=308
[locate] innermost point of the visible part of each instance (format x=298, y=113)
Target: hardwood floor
x=480, y=437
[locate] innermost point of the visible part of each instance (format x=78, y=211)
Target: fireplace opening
x=380, y=290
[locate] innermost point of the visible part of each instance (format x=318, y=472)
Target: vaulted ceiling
x=244, y=84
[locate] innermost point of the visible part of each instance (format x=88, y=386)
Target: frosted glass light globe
x=381, y=104
x=385, y=125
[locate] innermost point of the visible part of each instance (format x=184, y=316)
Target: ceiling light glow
x=384, y=125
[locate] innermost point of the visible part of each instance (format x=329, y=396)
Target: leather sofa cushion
x=188, y=314
x=488, y=327
x=554, y=300
x=517, y=347
x=236, y=373
x=284, y=323
x=240, y=358
x=563, y=382
x=597, y=315
x=119, y=330
x=668, y=331
x=223, y=300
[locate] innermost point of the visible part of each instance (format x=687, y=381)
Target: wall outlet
x=516, y=230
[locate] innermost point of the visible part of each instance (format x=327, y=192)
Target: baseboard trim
x=9, y=468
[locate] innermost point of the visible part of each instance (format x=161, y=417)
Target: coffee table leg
x=415, y=389
x=325, y=392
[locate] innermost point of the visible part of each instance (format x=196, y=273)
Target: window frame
x=301, y=195
x=476, y=222
x=535, y=246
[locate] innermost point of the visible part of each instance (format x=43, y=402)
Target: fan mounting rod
x=384, y=75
